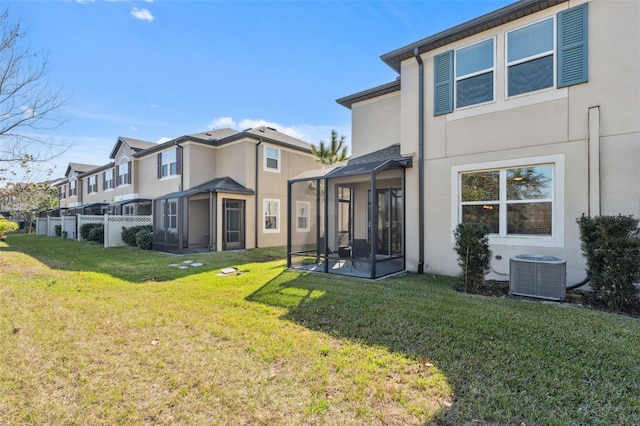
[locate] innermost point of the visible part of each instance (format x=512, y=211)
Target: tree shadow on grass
x=127, y=263
x=504, y=359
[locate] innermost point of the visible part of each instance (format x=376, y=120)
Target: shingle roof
x=223, y=184
x=135, y=145
x=79, y=167
x=364, y=164
x=223, y=136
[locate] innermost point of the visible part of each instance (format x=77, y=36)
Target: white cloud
x=134, y=128
x=307, y=132
x=163, y=139
x=142, y=14
x=221, y=122
x=85, y=1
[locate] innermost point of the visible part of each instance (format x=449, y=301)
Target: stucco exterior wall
x=375, y=124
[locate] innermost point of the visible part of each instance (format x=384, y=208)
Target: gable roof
x=135, y=145
x=485, y=22
x=79, y=167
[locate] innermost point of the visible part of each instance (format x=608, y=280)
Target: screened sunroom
x=348, y=219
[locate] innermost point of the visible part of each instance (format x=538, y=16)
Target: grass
x=95, y=336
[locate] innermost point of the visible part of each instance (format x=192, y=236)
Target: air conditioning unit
x=539, y=276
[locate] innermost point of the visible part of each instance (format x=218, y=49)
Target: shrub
x=97, y=234
x=611, y=247
x=86, y=229
x=129, y=234
x=144, y=239
x=474, y=255
x=58, y=230
x=6, y=226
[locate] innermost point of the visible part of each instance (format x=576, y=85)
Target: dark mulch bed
x=584, y=298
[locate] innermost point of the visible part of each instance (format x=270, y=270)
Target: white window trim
x=278, y=209
x=269, y=169
x=124, y=161
x=91, y=185
x=456, y=79
x=169, y=175
x=557, y=231
x=507, y=64
x=306, y=205
x=73, y=181
x=113, y=180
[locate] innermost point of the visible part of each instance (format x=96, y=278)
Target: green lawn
x=116, y=336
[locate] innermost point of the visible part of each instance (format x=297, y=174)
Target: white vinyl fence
x=47, y=226
x=113, y=225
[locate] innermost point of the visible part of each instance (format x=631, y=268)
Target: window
x=171, y=218
x=92, y=185
x=124, y=173
x=521, y=202
x=73, y=188
x=302, y=216
x=168, y=163
x=63, y=191
x=474, y=74
x=108, y=182
x=128, y=210
x=271, y=210
x=530, y=58
x=272, y=159
x=549, y=53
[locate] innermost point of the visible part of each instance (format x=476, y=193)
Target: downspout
x=257, y=223
x=181, y=208
x=416, y=54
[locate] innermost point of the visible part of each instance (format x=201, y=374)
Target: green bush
x=611, y=247
x=86, y=229
x=129, y=234
x=97, y=234
x=474, y=255
x=144, y=239
x=6, y=226
x=58, y=230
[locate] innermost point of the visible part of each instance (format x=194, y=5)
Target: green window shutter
x=443, y=83
x=572, y=46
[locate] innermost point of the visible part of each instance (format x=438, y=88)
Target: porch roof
x=223, y=184
x=132, y=200
x=365, y=164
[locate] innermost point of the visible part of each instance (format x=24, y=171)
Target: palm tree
x=331, y=153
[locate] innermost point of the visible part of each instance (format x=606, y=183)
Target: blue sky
x=153, y=70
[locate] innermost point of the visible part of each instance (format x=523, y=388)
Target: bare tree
x=29, y=107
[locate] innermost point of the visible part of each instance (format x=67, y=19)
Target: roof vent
x=271, y=128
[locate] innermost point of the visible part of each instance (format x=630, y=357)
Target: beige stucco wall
x=552, y=122
x=273, y=185
x=375, y=124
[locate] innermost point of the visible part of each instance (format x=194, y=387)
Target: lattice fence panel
x=82, y=219
x=115, y=223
